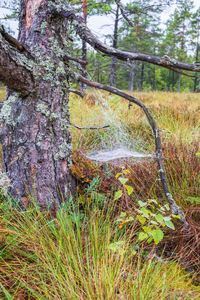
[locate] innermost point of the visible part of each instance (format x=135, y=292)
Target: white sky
x=97, y=23
x=100, y=25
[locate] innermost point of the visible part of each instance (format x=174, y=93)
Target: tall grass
x=76, y=256
x=80, y=253
x=176, y=113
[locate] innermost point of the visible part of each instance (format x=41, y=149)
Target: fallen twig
x=92, y=127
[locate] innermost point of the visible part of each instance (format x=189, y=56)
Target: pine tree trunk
x=197, y=59
x=169, y=81
x=113, y=77
x=179, y=83
x=84, y=45
x=153, y=80
x=36, y=143
x=142, y=77
x=131, y=79
x=173, y=80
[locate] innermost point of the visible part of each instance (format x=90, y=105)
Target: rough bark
x=36, y=142
x=15, y=69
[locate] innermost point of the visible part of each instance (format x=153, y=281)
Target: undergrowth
x=82, y=252
x=80, y=255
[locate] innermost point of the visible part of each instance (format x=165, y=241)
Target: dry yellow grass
x=176, y=113
x=2, y=93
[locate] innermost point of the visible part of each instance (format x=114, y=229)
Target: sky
x=97, y=23
x=100, y=25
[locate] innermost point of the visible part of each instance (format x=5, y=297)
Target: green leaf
x=145, y=212
x=170, y=224
x=149, y=240
x=130, y=219
x=118, y=195
x=159, y=218
x=193, y=200
x=152, y=201
x=176, y=217
x=157, y=235
x=198, y=154
x=118, y=174
x=142, y=236
x=154, y=222
x=168, y=218
x=141, y=203
x=142, y=219
x=117, y=246
x=167, y=206
x=129, y=189
x=123, y=214
x=145, y=228
x=123, y=180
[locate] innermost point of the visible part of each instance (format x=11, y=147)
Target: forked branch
x=15, y=70
x=85, y=34
x=123, y=12
x=156, y=132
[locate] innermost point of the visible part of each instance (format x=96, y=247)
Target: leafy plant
x=151, y=215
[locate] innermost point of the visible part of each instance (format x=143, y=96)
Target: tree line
x=138, y=27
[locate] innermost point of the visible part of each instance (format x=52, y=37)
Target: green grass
x=80, y=257
x=81, y=253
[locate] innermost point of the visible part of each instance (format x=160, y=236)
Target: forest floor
x=118, y=240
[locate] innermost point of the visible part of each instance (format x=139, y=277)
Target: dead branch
x=185, y=74
x=15, y=72
x=15, y=43
x=122, y=10
x=159, y=157
x=80, y=61
x=92, y=127
x=79, y=93
x=85, y=34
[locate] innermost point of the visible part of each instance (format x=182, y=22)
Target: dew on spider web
x=117, y=143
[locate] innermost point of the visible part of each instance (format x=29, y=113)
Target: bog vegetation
x=118, y=240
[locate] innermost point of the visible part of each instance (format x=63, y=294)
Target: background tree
x=195, y=35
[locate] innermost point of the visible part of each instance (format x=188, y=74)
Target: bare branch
x=79, y=93
x=84, y=32
x=164, y=61
x=15, y=68
x=159, y=156
x=14, y=42
x=185, y=74
x=80, y=61
x=122, y=10
x=92, y=127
